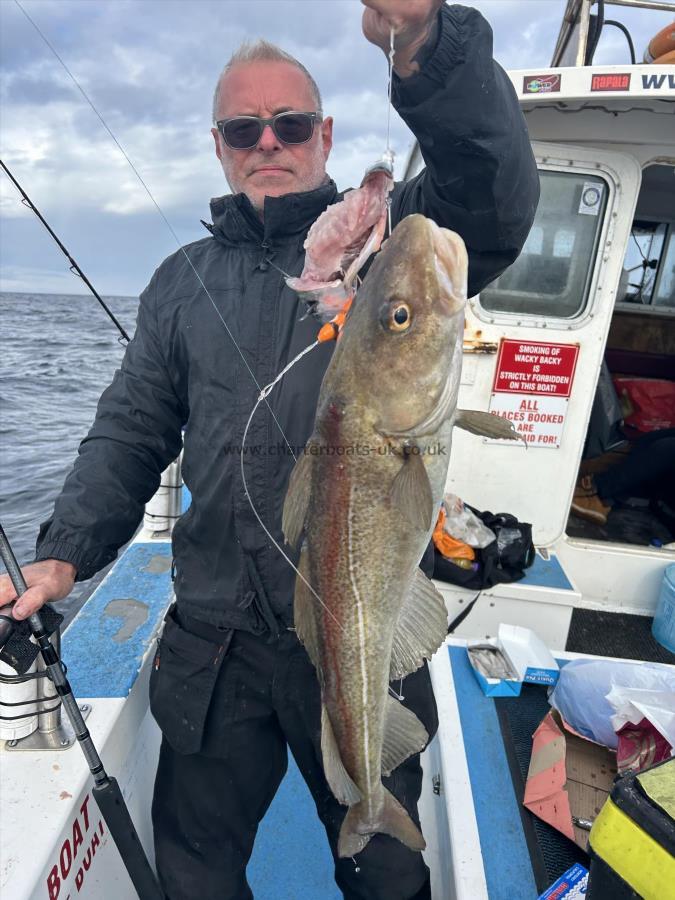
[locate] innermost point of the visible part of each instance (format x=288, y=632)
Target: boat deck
x=482, y=842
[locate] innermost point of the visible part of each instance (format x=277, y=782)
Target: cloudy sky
x=149, y=67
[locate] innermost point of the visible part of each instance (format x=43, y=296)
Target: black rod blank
x=73, y=265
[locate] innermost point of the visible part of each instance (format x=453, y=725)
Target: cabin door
x=535, y=339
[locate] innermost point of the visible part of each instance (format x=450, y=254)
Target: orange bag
x=449, y=546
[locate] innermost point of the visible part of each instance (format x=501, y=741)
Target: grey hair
x=262, y=50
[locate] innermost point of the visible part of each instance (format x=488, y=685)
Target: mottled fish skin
x=361, y=551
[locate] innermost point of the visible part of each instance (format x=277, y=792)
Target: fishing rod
x=106, y=790
x=73, y=264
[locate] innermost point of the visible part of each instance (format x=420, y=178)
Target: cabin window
x=664, y=295
x=648, y=276
x=552, y=276
x=640, y=265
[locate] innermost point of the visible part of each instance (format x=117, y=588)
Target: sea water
x=58, y=354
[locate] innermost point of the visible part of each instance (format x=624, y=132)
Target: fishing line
x=263, y=394
x=157, y=207
x=390, y=58
x=278, y=268
x=399, y=695
x=389, y=153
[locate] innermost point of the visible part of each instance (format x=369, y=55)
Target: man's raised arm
x=480, y=177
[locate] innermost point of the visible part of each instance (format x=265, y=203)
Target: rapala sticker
x=616, y=81
x=541, y=84
x=658, y=82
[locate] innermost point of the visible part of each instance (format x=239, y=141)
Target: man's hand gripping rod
x=106, y=790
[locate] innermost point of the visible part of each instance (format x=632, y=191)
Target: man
x=231, y=685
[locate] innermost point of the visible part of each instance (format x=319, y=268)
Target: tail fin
x=393, y=820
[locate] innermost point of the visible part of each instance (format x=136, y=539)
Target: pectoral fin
x=411, y=491
x=339, y=781
x=404, y=735
x=421, y=628
x=487, y=425
x=297, y=500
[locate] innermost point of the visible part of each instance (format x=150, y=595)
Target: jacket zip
x=264, y=263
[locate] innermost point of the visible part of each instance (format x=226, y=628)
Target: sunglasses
x=244, y=132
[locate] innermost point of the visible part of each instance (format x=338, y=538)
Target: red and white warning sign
x=527, y=368
x=532, y=385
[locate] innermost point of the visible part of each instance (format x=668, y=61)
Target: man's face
x=271, y=168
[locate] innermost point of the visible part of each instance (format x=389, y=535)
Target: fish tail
x=393, y=820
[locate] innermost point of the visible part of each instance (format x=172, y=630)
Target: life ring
x=666, y=60
x=661, y=48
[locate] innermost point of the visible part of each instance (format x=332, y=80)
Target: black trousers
x=229, y=703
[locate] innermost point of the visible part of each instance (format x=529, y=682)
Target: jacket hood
x=235, y=221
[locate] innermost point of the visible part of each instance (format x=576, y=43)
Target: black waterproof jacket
x=183, y=373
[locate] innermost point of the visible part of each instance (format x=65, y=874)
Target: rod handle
x=116, y=815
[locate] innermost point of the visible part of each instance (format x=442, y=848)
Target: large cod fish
x=365, y=495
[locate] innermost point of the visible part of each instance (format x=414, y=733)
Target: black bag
x=503, y=560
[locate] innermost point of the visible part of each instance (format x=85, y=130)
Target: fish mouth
x=451, y=264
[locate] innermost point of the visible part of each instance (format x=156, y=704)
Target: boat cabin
x=576, y=336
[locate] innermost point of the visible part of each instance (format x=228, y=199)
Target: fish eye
x=400, y=317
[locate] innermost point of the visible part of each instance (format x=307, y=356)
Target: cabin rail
x=165, y=508
x=35, y=722
x=30, y=706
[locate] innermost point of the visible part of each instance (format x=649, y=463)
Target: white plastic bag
x=632, y=705
x=462, y=524
x=582, y=694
